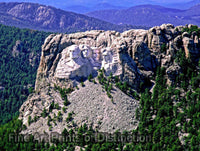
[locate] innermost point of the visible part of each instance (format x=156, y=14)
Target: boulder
x=17, y=48
x=172, y=72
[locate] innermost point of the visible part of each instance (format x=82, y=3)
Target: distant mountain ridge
x=149, y=15
x=47, y=18
x=80, y=6
x=85, y=9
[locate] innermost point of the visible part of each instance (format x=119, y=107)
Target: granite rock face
x=133, y=56
x=147, y=48
x=76, y=56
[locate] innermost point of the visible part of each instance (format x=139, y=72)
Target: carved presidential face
x=74, y=52
x=86, y=51
x=96, y=54
x=107, y=56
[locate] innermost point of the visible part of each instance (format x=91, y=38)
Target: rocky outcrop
x=191, y=45
x=172, y=72
x=66, y=60
x=34, y=59
x=133, y=56
x=17, y=48
x=1, y=88
x=173, y=39
x=75, y=56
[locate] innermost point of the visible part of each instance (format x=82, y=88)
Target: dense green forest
x=166, y=114
x=17, y=75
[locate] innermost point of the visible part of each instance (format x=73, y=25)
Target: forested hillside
x=19, y=59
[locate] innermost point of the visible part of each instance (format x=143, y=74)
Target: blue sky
x=171, y=1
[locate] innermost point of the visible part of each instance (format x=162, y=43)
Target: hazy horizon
x=89, y=3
